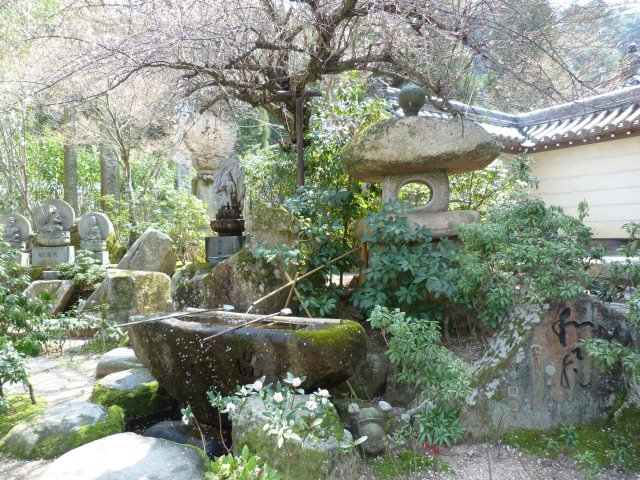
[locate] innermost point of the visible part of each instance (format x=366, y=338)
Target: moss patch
x=332, y=336
x=148, y=399
x=20, y=408
x=307, y=463
x=55, y=444
x=406, y=462
x=614, y=442
x=116, y=250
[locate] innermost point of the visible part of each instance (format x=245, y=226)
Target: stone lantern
x=423, y=150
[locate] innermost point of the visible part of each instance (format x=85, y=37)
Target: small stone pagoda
x=16, y=231
x=423, y=150
x=53, y=219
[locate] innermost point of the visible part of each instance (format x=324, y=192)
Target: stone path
x=60, y=379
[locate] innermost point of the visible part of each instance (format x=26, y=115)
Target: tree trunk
x=70, y=180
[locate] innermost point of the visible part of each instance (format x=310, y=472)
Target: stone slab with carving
x=535, y=374
x=51, y=256
x=53, y=219
x=15, y=230
x=418, y=144
x=94, y=228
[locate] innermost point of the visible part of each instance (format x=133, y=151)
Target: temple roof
x=599, y=118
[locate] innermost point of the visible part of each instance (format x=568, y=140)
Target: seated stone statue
x=92, y=236
x=11, y=234
x=54, y=220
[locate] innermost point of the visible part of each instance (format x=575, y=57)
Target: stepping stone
x=134, y=390
x=128, y=456
x=60, y=429
x=117, y=360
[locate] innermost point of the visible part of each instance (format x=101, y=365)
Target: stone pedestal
x=221, y=248
x=101, y=257
x=22, y=258
x=50, y=256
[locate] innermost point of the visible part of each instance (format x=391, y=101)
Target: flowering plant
x=289, y=419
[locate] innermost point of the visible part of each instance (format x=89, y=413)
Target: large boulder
x=117, y=360
x=128, y=292
x=62, y=428
x=135, y=391
x=418, y=144
x=152, y=252
x=61, y=292
x=128, y=456
x=238, y=281
x=318, y=457
x=535, y=374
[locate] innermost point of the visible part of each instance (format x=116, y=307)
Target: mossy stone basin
x=188, y=366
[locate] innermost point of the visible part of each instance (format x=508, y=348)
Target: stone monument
x=423, y=150
x=535, y=373
x=94, y=228
x=53, y=219
x=209, y=140
x=16, y=230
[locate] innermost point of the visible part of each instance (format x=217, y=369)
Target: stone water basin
x=188, y=366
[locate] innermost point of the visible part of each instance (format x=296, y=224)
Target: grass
x=405, y=463
x=20, y=408
x=613, y=442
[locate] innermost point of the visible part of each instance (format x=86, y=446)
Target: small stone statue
x=94, y=228
x=370, y=422
x=53, y=219
x=16, y=230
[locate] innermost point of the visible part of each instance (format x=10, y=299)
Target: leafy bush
x=620, y=283
x=406, y=267
x=243, y=467
x=22, y=322
x=175, y=212
x=324, y=231
x=524, y=251
x=85, y=272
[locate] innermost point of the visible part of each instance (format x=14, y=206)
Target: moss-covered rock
x=238, y=281
x=134, y=390
x=316, y=458
x=131, y=292
x=535, y=374
x=189, y=364
x=116, y=249
x=271, y=224
x=61, y=429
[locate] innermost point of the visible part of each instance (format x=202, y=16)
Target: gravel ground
x=501, y=462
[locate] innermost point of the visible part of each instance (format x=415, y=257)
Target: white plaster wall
x=606, y=175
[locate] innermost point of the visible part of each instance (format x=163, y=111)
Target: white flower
x=231, y=407
x=311, y=405
x=296, y=382
x=323, y=393
x=257, y=385
x=278, y=397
